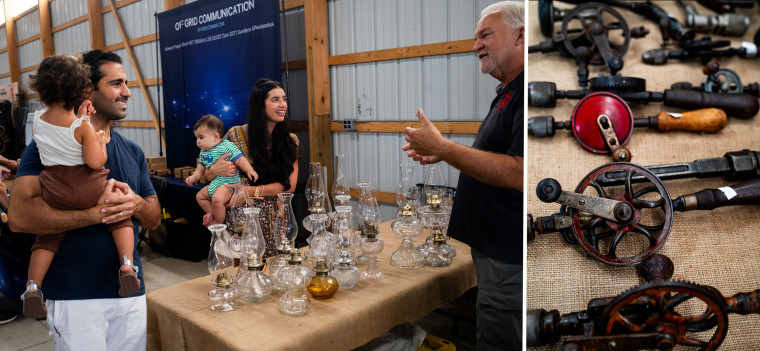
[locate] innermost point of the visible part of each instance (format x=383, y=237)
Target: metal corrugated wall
x=293, y=42
x=4, y=66
x=448, y=88
x=28, y=26
x=72, y=40
x=138, y=20
x=29, y=54
x=64, y=11
x=3, y=39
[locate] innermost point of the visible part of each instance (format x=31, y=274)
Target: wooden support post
x=170, y=4
x=46, y=31
x=137, y=71
x=10, y=38
x=318, y=84
x=97, y=40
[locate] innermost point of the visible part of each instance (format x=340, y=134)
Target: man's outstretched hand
x=425, y=142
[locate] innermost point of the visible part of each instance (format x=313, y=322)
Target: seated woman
x=272, y=150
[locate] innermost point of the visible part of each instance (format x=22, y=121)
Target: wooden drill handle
x=744, y=303
x=710, y=120
x=744, y=106
x=744, y=193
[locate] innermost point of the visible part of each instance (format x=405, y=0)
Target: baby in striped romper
x=209, y=132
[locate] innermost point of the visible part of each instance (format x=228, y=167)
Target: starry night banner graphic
x=212, y=51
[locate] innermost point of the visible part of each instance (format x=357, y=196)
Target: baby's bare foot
x=208, y=219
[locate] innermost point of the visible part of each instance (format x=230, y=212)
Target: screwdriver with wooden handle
x=708, y=120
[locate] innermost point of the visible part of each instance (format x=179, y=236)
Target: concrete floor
x=161, y=271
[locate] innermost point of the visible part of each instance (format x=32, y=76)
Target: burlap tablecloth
x=179, y=317
x=718, y=248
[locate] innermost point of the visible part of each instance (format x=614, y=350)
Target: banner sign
x=212, y=51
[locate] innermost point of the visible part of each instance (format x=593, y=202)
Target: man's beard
x=493, y=60
x=107, y=108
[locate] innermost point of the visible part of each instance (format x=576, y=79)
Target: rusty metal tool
x=631, y=89
x=703, y=49
x=659, y=314
x=744, y=193
x=616, y=225
x=708, y=120
x=734, y=166
x=602, y=123
x=720, y=80
x=731, y=24
x=670, y=28
x=603, y=219
x=592, y=33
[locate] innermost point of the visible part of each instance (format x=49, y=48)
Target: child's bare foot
x=208, y=219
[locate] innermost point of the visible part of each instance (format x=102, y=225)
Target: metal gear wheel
x=577, y=30
x=681, y=312
x=724, y=81
x=617, y=83
x=652, y=217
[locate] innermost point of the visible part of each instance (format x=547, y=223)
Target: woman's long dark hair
x=277, y=166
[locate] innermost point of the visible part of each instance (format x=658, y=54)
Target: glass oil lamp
x=432, y=193
x=317, y=198
x=344, y=270
x=238, y=203
x=340, y=191
x=223, y=297
x=322, y=243
x=254, y=286
x=316, y=192
x=286, y=230
x=219, y=254
x=372, y=245
x=294, y=277
x=251, y=241
x=274, y=264
x=435, y=217
x=344, y=234
x=406, y=224
x=440, y=253
x=368, y=215
x=322, y=286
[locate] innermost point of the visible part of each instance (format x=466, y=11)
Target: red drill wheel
x=649, y=197
x=584, y=125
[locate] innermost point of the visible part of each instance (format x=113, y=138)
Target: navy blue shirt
x=489, y=218
x=87, y=263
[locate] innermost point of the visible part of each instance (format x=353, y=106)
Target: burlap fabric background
x=719, y=248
